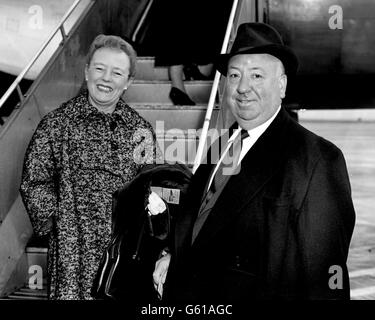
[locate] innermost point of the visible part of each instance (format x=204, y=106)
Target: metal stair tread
x=36, y=250
x=146, y=58
x=187, y=82
x=16, y=297
x=33, y=292
x=170, y=107
x=188, y=134
x=157, y=91
x=26, y=293
x=44, y=282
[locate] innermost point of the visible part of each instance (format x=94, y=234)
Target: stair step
x=181, y=145
x=167, y=106
x=21, y=297
x=158, y=91
x=36, y=250
x=146, y=70
x=178, y=128
x=170, y=116
x=28, y=294
x=32, y=292
x=37, y=256
x=178, y=148
x=29, y=286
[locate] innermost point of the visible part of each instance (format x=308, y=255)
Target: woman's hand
x=160, y=273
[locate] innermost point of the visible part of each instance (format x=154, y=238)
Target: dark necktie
x=228, y=165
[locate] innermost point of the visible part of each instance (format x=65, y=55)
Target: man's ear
x=283, y=81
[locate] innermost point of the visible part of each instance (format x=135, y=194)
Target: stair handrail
x=215, y=86
x=16, y=82
x=142, y=19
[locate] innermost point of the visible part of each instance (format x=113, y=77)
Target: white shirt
x=247, y=143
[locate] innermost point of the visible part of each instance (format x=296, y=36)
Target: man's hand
x=160, y=273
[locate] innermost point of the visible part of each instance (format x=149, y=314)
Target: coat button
x=237, y=261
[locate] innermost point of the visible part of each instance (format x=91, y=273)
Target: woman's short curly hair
x=114, y=42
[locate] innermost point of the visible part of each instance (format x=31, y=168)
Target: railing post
x=20, y=93
x=140, y=22
x=202, y=139
x=63, y=33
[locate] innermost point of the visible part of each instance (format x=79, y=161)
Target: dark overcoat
x=280, y=229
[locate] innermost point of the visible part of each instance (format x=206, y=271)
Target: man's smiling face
x=255, y=86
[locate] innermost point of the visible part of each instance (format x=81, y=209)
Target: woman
x=185, y=36
x=78, y=156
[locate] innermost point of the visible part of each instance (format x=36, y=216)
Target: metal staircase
x=32, y=264
x=176, y=127
x=173, y=125
x=63, y=70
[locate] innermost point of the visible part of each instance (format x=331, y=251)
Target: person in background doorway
x=185, y=37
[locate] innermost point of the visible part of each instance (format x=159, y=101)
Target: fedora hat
x=256, y=37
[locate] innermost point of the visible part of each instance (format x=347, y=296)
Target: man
x=280, y=226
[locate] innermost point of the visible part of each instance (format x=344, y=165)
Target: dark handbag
x=126, y=268
x=121, y=266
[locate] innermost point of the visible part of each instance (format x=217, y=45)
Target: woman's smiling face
x=107, y=77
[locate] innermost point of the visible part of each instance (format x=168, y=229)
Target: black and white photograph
x=184, y=158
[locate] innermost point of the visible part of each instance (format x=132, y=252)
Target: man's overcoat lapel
x=257, y=168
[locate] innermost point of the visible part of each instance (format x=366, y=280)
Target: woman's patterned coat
x=76, y=159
